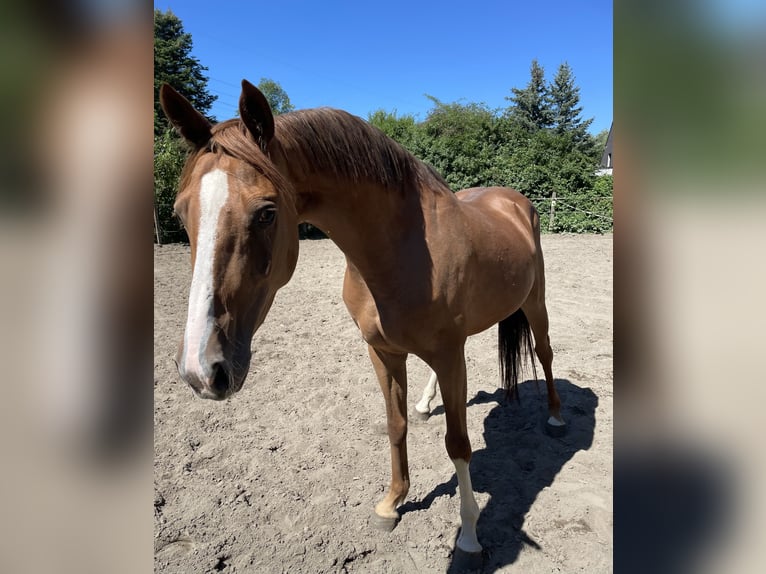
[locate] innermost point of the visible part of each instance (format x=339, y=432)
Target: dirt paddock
x=283, y=476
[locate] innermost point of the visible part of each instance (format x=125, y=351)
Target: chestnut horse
x=426, y=268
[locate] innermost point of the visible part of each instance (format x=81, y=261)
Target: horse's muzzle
x=212, y=376
x=216, y=386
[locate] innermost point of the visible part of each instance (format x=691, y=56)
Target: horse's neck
x=378, y=220
x=360, y=213
x=376, y=228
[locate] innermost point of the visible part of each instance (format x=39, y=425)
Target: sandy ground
x=283, y=476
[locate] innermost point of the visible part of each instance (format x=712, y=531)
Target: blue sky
x=362, y=56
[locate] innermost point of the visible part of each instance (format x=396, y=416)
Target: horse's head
x=239, y=213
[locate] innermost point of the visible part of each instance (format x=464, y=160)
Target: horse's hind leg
x=391, y=371
x=423, y=407
x=537, y=316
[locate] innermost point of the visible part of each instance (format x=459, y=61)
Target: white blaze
x=214, y=190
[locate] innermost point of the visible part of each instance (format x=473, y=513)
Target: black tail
x=514, y=345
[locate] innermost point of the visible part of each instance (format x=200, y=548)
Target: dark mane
x=325, y=139
x=321, y=140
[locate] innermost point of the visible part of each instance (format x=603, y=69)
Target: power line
x=223, y=82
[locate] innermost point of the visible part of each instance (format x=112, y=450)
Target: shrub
x=169, y=157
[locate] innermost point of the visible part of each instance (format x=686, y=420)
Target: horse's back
x=495, y=198
x=501, y=216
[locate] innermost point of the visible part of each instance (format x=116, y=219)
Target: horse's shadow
x=520, y=459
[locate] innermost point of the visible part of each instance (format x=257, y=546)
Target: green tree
x=461, y=141
x=548, y=163
x=539, y=145
x=175, y=65
x=276, y=96
x=564, y=98
x=565, y=110
x=599, y=141
x=530, y=106
x=403, y=129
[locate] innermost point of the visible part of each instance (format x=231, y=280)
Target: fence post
x=553, y=212
x=157, y=230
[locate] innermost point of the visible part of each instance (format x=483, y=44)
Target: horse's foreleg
x=391, y=370
x=451, y=373
x=423, y=408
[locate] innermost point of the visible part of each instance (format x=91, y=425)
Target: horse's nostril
x=220, y=379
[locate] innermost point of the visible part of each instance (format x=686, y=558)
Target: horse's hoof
x=382, y=523
x=463, y=561
x=419, y=417
x=555, y=428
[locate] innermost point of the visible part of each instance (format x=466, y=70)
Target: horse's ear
x=193, y=126
x=256, y=114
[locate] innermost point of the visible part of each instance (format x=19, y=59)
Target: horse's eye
x=265, y=217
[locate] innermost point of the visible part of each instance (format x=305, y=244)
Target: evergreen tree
x=175, y=65
x=565, y=109
x=530, y=107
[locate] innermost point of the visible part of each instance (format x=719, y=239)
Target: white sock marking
x=424, y=406
x=469, y=510
x=213, y=193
